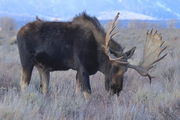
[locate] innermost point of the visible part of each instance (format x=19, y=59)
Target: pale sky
x=67, y=8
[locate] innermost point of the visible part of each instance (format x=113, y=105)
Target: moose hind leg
x=25, y=76
x=44, y=80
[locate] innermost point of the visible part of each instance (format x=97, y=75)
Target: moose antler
x=153, y=48
x=109, y=36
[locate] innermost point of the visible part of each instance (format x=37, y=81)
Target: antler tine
x=151, y=31
x=114, y=22
x=108, y=34
x=155, y=32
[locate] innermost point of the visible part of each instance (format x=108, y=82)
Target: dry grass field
x=138, y=100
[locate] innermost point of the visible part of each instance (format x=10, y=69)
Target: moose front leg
x=78, y=87
x=44, y=83
x=107, y=83
x=83, y=83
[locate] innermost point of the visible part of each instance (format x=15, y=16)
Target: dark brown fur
x=76, y=45
x=93, y=24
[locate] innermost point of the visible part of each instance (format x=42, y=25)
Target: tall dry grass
x=138, y=100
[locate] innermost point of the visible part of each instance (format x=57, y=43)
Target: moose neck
x=104, y=64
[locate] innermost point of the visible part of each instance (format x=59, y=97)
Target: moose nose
x=113, y=92
x=115, y=89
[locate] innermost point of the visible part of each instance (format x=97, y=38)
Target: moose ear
x=130, y=52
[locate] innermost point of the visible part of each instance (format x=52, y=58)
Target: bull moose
x=82, y=45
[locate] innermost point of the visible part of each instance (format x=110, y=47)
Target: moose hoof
x=78, y=89
x=87, y=95
x=44, y=91
x=23, y=85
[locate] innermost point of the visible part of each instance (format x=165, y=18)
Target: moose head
x=115, y=68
